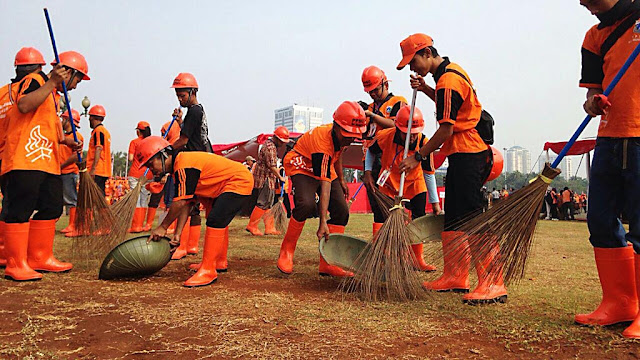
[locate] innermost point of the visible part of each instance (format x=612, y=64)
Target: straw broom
x=506, y=230
x=386, y=270
x=279, y=213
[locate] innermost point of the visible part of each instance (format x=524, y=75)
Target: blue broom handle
x=164, y=137
x=586, y=120
x=64, y=86
x=353, y=198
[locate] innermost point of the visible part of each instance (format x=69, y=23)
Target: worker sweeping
x=69, y=172
x=614, y=186
x=315, y=167
x=28, y=60
x=458, y=112
x=223, y=184
x=143, y=131
x=99, y=154
x=31, y=169
x=388, y=145
x=266, y=174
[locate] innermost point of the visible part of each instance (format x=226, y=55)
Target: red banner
x=579, y=147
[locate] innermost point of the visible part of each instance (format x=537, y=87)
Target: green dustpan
x=136, y=258
x=426, y=228
x=343, y=250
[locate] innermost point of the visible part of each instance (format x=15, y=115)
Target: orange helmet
x=496, y=168
x=148, y=148
x=76, y=61
x=29, y=56
x=97, y=110
x=185, y=81
x=142, y=125
x=351, y=119
x=75, y=114
x=282, y=133
x=372, y=77
x=402, y=120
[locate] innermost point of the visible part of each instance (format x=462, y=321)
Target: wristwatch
x=418, y=156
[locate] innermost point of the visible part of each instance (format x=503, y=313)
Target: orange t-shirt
x=623, y=117
x=8, y=94
x=388, y=109
x=566, y=196
x=174, y=133
x=134, y=169
x=35, y=136
x=65, y=153
x=208, y=175
x=389, y=143
x=457, y=104
x=314, y=154
x=100, y=137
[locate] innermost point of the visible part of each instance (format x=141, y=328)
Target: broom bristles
x=504, y=232
x=279, y=216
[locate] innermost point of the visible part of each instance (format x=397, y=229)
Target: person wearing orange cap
x=99, y=154
x=69, y=172
x=265, y=176
x=31, y=169
x=389, y=146
x=143, y=130
x=28, y=60
x=315, y=168
x=458, y=111
x=223, y=184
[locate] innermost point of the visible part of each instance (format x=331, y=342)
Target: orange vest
x=314, y=155
x=100, y=137
x=65, y=153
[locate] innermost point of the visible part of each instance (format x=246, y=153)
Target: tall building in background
x=565, y=165
x=298, y=118
x=518, y=159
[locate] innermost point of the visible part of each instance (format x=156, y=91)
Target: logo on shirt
x=38, y=147
x=636, y=27
x=389, y=109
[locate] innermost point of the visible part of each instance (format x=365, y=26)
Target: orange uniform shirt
x=389, y=143
x=174, y=133
x=457, y=104
x=8, y=94
x=208, y=175
x=65, y=153
x=100, y=137
x=566, y=196
x=314, y=154
x=134, y=168
x=623, y=117
x=388, y=109
x=34, y=139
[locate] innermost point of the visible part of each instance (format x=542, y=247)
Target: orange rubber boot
x=633, y=331
x=181, y=251
x=16, y=242
x=490, y=287
x=138, y=220
x=254, y=220
x=288, y=247
x=616, y=270
x=72, y=219
x=455, y=275
x=270, y=224
x=418, y=261
x=221, y=261
x=40, y=249
x=151, y=215
x=213, y=243
x=324, y=269
x=3, y=260
x=376, y=228
x=194, y=238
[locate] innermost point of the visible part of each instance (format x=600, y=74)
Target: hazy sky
x=251, y=57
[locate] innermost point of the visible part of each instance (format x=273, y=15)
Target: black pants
x=154, y=200
x=287, y=204
x=4, y=194
x=378, y=216
x=305, y=189
x=224, y=209
x=101, y=181
x=28, y=191
x=465, y=176
x=195, y=219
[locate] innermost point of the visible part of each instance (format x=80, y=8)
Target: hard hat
x=185, y=81
x=402, y=120
x=372, y=77
x=142, y=125
x=411, y=45
x=148, y=148
x=75, y=114
x=29, y=56
x=282, y=133
x=76, y=61
x=351, y=119
x=136, y=257
x=498, y=163
x=97, y=110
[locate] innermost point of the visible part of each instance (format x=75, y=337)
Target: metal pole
x=588, y=166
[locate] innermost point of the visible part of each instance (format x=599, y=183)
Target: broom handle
x=353, y=198
x=407, y=141
x=64, y=86
x=586, y=120
x=164, y=137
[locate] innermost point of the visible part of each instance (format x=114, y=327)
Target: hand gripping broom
x=505, y=232
x=386, y=270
